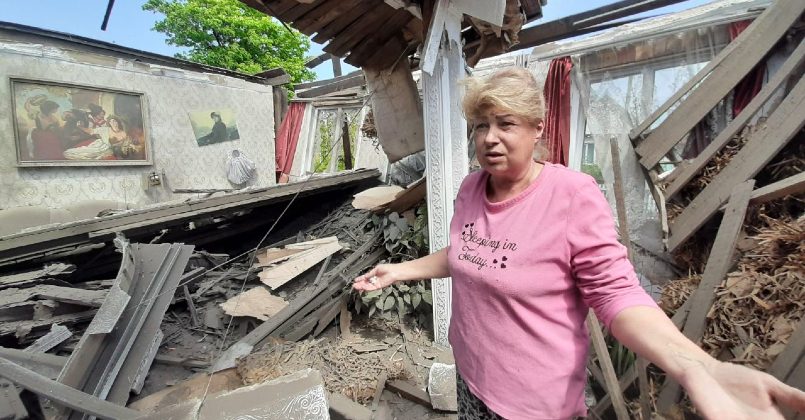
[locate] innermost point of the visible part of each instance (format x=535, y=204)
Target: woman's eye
x=480, y=126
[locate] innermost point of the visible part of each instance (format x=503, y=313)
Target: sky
x=130, y=26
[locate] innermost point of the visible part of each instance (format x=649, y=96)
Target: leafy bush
x=404, y=242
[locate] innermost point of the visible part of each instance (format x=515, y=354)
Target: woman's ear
x=540, y=130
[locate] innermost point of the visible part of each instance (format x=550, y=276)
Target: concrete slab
x=442, y=387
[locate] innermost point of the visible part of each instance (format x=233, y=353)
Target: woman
x=44, y=139
x=86, y=143
x=532, y=247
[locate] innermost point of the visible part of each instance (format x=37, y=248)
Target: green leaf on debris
x=427, y=296
x=389, y=303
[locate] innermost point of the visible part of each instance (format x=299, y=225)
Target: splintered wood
x=282, y=265
x=757, y=306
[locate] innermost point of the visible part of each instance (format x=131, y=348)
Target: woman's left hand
x=727, y=391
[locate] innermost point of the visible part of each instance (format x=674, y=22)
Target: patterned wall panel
x=169, y=95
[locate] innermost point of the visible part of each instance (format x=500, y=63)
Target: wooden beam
x=315, y=61
x=719, y=262
x=317, y=83
x=346, y=83
x=722, y=74
x=79, y=231
x=370, y=23
x=610, y=378
x=311, y=22
x=792, y=185
x=344, y=20
x=374, y=42
x=687, y=171
x=623, y=227
x=764, y=144
x=336, y=65
x=299, y=10
x=63, y=394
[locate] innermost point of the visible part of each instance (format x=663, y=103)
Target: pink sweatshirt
x=525, y=271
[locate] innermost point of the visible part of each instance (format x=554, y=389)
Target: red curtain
x=750, y=85
x=557, y=102
x=288, y=137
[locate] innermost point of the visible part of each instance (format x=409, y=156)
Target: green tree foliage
x=231, y=35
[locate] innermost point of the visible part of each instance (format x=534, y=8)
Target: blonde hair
x=512, y=90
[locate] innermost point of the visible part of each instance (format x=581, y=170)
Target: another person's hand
x=728, y=391
x=377, y=278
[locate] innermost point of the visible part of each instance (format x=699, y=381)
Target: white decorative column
x=445, y=141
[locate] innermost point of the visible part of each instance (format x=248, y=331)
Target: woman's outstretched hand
x=377, y=278
x=728, y=391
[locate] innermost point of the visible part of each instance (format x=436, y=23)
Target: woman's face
x=504, y=143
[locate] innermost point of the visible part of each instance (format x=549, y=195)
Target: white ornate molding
x=446, y=158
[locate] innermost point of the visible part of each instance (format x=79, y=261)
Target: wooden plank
x=43, y=239
x=723, y=73
x=344, y=20
x=376, y=40
x=349, y=82
x=719, y=262
x=333, y=311
x=276, y=276
x=797, y=380
x=317, y=83
x=601, y=351
x=630, y=376
x=687, y=171
x=387, y=56
x=762, y=146
x=314, y=62
x=322, y=15
x=792, y=185
x=371, y=22
x=410, y=392
x=63, y=394
x=300, y=10
x=265, y=329
x=795, y=349
x=623, y=227
x=57, y=335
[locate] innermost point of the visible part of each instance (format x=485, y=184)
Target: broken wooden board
x=610, y=379
x=257, y=303
x=719, y=262
x=26, y=277
x=21, y=328
x=276, y=276
x=408, y=198
x=739, y=57
x=762, y=146
x=275, y=255
x=376, y=197
x=74, y=295
x=57, y=335
x=684, y=173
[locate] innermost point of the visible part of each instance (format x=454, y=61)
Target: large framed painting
x=59, y=124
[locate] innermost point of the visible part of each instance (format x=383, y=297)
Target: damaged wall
x=169, y=94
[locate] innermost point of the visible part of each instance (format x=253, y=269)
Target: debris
x=312, y=252
x=22, y=328
x=47, y=365
x=106, y=364
x=343, y=408
x=257, y=302
x=191, y=306
x=381, y=385
x=410, y=391
x=190, y=389
x=300, y=395
x=442, y=387
x=52, y=270
x=11, y=406
x=212, y=316
x=344, y=320
x=57, y=335
x=64, y=395
x=376, y=197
